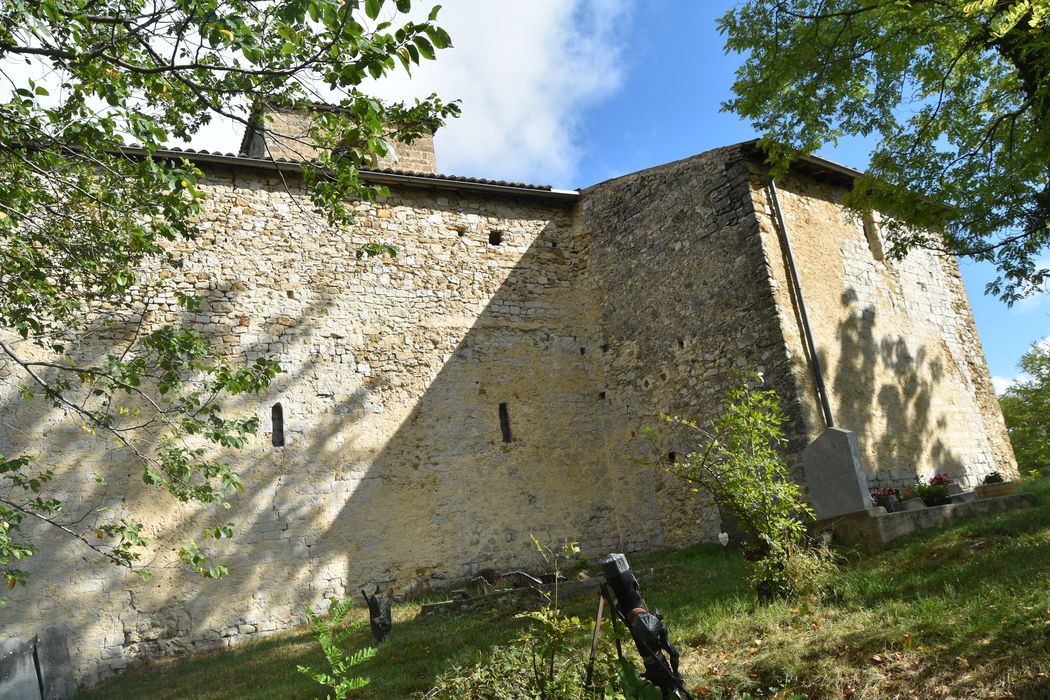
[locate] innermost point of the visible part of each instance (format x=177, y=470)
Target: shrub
x=547, y=661
x=332, y=634
x=740, y=466
x=993, y=478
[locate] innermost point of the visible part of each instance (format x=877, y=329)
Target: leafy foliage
x=546, y=662
x=1026, y=406
x=740, y=466
x=332, y=635
x=90, y=229
x=957, y=93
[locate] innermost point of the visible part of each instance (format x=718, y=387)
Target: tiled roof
x=390, y=175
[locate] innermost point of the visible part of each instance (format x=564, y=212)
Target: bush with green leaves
x=333, y=630
x=739, y=464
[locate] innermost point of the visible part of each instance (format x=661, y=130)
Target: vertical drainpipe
x=817, y=371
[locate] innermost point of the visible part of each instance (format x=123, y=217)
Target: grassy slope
x=958, y=612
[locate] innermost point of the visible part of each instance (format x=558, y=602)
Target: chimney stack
x=283, y=134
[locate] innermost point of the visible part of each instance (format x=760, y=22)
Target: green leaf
x=426, y=50
x=439, y=37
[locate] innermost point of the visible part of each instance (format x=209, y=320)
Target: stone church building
x=489, y=383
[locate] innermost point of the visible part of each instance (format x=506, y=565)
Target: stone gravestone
x=37, y=670
x=56, y=668
x=835, y=475
x=18, y=679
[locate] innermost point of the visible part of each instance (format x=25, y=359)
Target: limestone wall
x=902, y=360
x=681, y=297
x=395, y=470
x=585, y=321
x=285, y=135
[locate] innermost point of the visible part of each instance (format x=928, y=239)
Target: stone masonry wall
x=287, y=137
x=902, y=360
x=394, y=470
x=586, y=322
x=682, y=297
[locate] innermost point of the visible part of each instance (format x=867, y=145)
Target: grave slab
x=18, y=679
x=875, y=527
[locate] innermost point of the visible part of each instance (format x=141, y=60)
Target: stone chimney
x=283, y=134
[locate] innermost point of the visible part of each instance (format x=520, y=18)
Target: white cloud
x=525, y=73
x=1001, y=384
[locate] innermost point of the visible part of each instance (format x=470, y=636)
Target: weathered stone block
x=835, y=475
x=18, y=679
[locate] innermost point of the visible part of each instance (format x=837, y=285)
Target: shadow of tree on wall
x=397, y=478
x=882, y=390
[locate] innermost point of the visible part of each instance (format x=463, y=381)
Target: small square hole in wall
x=672, y=457
x=601, y=395
x=495, y=237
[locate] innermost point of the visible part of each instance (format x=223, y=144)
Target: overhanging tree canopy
x=956, y=92
x=80, y=217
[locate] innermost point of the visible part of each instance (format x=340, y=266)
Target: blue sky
x=573, y=92
x=667, y=106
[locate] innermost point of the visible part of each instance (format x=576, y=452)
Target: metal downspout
x=786, y=243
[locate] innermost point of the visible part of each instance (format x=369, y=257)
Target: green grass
x=963, y=611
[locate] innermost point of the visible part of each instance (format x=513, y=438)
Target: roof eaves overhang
x=814, y=166
x=823, y=169
x=379, y=177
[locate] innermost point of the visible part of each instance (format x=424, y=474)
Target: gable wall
x=682, y=297
x=902, y=359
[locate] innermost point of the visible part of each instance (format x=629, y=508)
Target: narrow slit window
x=495, y=237
x=277, y=418
x=672, y=457
x=504, y=422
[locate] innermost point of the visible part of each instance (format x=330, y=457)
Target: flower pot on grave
x=1004, y=488
x=889, y=502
